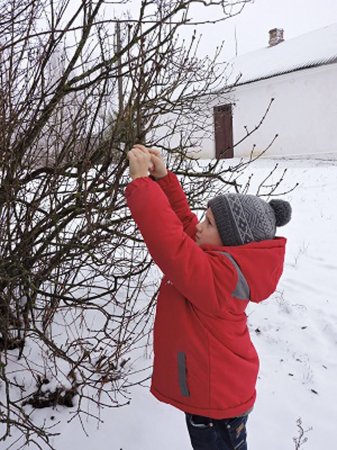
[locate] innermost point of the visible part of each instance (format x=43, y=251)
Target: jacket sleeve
x=196, y=274
x=178, y=201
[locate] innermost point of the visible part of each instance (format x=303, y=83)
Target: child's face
x=207, y=232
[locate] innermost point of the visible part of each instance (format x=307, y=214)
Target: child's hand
x=139, y=161
x=159, y=169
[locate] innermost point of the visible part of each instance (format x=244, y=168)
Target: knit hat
x=246, y=218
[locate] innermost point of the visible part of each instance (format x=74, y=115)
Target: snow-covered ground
x=295, y=333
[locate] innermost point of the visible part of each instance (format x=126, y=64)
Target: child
x=204, y=361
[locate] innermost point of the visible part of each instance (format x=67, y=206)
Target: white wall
x=303, y=114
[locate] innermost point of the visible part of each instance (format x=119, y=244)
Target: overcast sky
x=296, y=17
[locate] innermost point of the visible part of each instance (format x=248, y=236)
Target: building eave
x=285, y=72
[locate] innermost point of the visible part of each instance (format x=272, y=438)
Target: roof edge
x=332, y=60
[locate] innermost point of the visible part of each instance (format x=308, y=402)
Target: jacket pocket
x=182, y=374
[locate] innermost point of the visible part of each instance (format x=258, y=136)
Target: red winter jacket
x=204, y=360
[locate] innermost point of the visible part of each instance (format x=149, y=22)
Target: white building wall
x=303, y=114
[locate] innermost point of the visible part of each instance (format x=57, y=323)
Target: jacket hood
x=261, y=264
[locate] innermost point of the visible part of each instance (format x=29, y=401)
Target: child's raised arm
x=170, y=184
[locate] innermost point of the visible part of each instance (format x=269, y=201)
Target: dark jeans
x=214, y=434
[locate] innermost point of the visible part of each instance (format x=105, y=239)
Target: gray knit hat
x=246, y=218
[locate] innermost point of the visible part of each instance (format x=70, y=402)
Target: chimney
x=275, y=36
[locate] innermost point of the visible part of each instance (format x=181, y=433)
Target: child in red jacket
x=204, y=361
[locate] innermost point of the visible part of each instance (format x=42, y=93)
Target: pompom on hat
x=282, y=211
x=241, y=219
